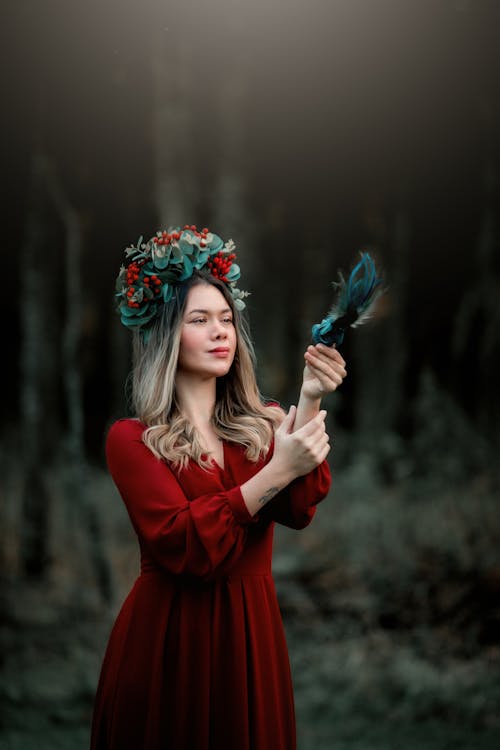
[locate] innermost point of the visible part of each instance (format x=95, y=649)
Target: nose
x=218, y=330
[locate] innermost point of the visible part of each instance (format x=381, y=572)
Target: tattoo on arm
x=268, y=495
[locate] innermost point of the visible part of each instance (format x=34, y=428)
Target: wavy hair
x=240, y=413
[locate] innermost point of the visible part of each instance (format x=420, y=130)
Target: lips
x=220, y=352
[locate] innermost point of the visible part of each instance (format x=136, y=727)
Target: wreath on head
x=171, y=256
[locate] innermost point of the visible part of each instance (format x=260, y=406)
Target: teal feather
x=354, y=303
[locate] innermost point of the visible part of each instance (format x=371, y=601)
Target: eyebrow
x=206, y=312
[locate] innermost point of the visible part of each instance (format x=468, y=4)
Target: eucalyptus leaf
x=176, y=254
x=215, y=244
x=167, y=292
x=234, y=272
x=188, y=269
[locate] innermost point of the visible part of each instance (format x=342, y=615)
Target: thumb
x=288, y=421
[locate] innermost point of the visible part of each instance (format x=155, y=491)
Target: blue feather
x=354, y=303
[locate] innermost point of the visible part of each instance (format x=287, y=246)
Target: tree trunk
x=74, y=460
x=380, y=352
x=39, y=370
x=173, y=132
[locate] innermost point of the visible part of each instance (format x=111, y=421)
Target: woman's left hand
x=324, y=371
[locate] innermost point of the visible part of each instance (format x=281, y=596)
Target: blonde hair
x=240, y=415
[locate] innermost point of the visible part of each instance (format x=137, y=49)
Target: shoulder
x=125, y=429
x=124, y=446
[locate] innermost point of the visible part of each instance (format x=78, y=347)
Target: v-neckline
x=224, y=459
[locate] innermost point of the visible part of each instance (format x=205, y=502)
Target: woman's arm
x=295, y=454
x=201, y=536
x=323, y=373
x=205, y=535
x=295, y=504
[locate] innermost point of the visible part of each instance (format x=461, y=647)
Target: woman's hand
x=297, y=453
x=324, y=371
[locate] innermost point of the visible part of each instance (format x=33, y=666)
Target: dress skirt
x=197, y=658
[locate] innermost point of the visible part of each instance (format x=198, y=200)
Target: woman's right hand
x=297, y=453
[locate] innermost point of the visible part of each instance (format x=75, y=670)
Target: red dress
x=197, y=658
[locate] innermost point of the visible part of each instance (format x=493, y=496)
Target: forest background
x=306, y=132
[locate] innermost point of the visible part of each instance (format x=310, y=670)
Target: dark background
x=307, y=133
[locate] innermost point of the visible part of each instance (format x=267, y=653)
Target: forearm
x=323, y=373
x=307, y=408
x=264, y=485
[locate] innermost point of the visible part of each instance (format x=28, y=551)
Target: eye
x=198, y=320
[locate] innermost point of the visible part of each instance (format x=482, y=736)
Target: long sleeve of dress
x=196, y=536
x=295, y=505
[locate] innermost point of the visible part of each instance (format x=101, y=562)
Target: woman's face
x=208, y=336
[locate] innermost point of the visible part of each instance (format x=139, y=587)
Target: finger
x=324, y=439
x=310, y=427
x=287, y=423
x=328, y=351
x=324, y=363
x=324, y=453
x=317, y=447
x=329, y=380
x=319, y=455
x=321, y=440
x=331, y=353
x=312, y=442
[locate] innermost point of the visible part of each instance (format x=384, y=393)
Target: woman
x=197, y=657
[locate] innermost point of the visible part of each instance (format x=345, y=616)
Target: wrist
x=307, y=408
x=309, y=400
x=263, y=486
x=280, y=472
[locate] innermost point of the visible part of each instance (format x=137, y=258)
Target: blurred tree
x=176, y=191
x=40, y=414
x=476, y=334
x=229, y=198
x=53, y=427
x=380, y=353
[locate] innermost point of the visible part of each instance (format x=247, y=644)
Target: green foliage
x=391, y=597
x=377, y=692
x=446, y=446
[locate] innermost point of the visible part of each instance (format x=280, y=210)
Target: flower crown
x=156, y=266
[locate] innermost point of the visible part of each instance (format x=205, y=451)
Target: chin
x=221, y=371
x=216, y=371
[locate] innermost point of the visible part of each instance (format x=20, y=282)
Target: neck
x=196, y=398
